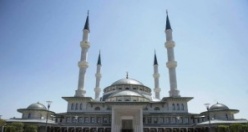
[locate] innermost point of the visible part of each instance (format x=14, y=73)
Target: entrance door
x=127, y=126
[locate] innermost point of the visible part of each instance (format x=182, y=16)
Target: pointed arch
x=72, y=106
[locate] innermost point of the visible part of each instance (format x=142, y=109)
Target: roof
x=99, y=59
x=222, y=122
x=155, y=60
x=37, y=106
x=86, y=25
x=126, y=93
x=127, y=81
x=218, y=106
x=168, y=26
x=31, y=120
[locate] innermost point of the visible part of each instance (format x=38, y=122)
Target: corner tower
x=171, y=64
x=83, y=64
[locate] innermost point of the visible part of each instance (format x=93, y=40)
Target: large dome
x=219, y=106
x=37, y=106
x=126, y=93
x=127, y=81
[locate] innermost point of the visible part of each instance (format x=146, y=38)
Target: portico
x=127, y=118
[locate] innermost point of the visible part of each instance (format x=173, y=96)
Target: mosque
x=127, y=104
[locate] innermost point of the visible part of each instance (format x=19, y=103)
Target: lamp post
x=209, y=123
x=48, y=106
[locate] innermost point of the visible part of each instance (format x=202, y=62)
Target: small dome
x=219, y=106
x=37, y=106
x=126, y=93
x=127, y=81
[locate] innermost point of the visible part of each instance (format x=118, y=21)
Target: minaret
x=98, y=77
x=156, y=77
x=83, y=64
x=171, y=64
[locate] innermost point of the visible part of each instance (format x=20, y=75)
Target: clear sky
x=40, y=49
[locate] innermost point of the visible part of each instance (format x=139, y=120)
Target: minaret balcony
x=83, y=64
x=170, y=44
x=156, y=75
x=99, y=75
x=174, y=93
x=171, y=64
x=85, y=44
x=80, y=93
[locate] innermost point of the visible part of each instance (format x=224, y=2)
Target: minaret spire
x=99, y=59
x=155, y=59
x=87, y=24
x=168, y=26
x=98, y=77
x=83, y=64
x=156, y=77
x=171, y=64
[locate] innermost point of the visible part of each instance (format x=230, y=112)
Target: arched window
x=72, y=106
x=76, y=106
x=182, y=107
x=97, y=108
x=173, y=107
x=156, y=108
x=29, y=115
x=81, y=106
x=178, y=107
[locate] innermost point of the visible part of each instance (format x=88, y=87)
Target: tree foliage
x=236, y=127
x=2, y=122
x=9, y=128
x=14, y=127
x=245, y=127
x=222, y=128
x=30, y=128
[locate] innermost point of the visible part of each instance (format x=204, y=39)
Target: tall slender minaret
x=98, y=77
x=171, y=64
x=83, y=64
x=156, y=77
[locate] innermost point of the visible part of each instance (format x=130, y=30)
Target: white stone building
x=127, y=104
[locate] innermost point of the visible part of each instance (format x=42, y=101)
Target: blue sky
x=39, y=49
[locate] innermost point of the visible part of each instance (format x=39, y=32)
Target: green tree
x=236, y=127
x=30, y=128
x=2, y=122
x=15, y=127
x=9, y=128
x=222, y=128
x=245, y=128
